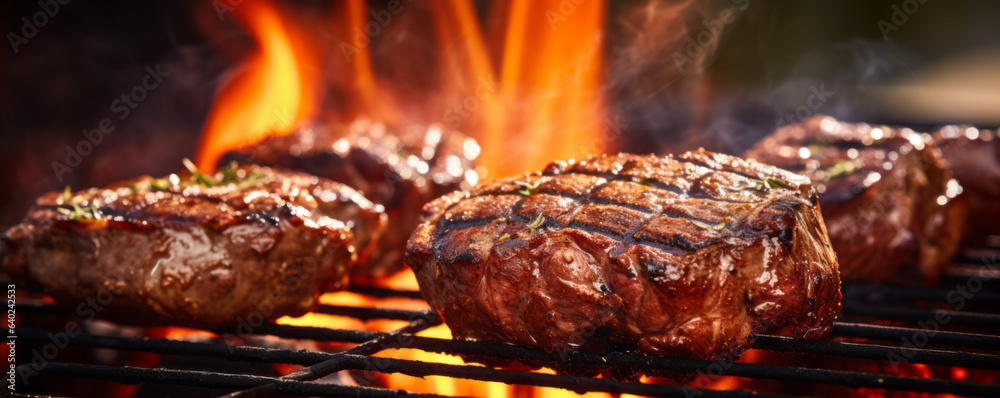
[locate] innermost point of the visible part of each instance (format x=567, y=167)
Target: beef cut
x=974, y=157
x=399, y=168
x=884, y=193
x=194, y=249
x=685, y=256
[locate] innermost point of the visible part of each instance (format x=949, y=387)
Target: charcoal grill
x=969, y=339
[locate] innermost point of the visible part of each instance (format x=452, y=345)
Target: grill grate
x=968, y=339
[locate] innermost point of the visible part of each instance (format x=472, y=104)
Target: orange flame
x=529, y=92
x=270, y=95
x=551, y=80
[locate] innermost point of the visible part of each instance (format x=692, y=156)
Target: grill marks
x=657, y=251
x=639, y=202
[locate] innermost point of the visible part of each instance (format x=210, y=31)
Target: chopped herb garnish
x=67, y=194
x=197, y=175
x=760, y=186
x=844, y=167
x=717, y=227
x=76, y=212
x=159, y=185
x=766, y=184
x=775, y=183
x=230, y=174
x=528, y=189
x=642, y=180
x=536, y=225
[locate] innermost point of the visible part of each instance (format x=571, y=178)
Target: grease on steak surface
x=684, y=256
x=176, y=251
x=397, y=167
x=884, y=193
x=974, y=157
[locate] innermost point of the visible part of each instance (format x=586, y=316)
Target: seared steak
x=685, y=256
x=401, y=169
x=195, y=250
x=884, y=193
x=974, y=157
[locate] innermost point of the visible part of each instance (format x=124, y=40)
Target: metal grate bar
x=630, y=360
x=571, y=364
x=843, y=349
x=317, y=333
x=857, y=293
x=333, y=365
x=573, y=383
x=968, y=340
x=499, y=350
x=963, y=318
x=879, y=352
x=367, y=313
x=896, y=333
x=216, y=349
x=134, y=375
x=381, y=292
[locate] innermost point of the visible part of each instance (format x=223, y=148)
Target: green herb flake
x=159, y=185
x=842, y=168
x=197, y=175
x=700, y=224
x=75, y=212
x=760, y=186
x=528, y=189
x=230, y=174
x=254, y=177
x=775, y=183
x=642, y=180
x=536, y=225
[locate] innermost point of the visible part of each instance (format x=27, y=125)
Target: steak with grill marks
x=685, y=256
x=884, y=195
x=399, y=168
x=195, y=250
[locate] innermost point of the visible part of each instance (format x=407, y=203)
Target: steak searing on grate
x=399, y=168
x=195, y=250
x=685, y=255
x=974, y=157
x=880, y=189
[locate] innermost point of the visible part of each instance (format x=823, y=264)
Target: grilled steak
x=974, y=157
x=884, y=194
x=401, y=169
x=685, y=256
x=195, y=250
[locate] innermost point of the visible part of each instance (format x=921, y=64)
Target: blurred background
x=641, y=76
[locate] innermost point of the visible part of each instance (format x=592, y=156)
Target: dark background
x=65, y=78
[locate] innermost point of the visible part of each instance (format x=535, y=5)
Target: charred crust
x=663, y=221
